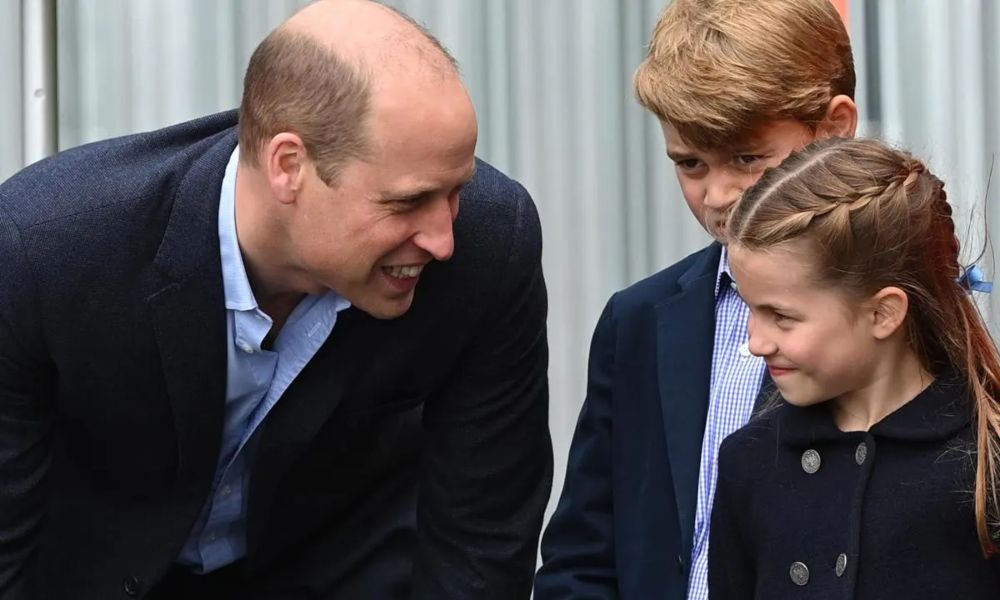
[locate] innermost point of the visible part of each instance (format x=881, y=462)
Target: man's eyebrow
x=419, y=194
x=408, y=196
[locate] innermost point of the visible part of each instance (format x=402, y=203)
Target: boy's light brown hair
x=718, y=69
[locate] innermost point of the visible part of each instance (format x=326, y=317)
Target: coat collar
x=936, y=413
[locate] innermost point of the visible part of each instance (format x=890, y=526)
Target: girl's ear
x=888, y=311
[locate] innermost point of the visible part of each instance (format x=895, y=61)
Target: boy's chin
x=719, y=236
x=717, y=231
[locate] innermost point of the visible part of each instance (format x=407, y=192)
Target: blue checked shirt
x=735, y=383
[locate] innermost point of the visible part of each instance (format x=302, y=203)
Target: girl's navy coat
x=804, y=510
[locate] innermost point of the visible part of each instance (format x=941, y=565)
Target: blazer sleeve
x=486, y=470
x=578, y=557
x=731, y=571
x=25, y=419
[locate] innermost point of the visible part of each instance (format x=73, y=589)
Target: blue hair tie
x=973, y=281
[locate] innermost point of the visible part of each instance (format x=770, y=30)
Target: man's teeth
x=404, y=272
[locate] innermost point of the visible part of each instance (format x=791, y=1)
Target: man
x=737, y=86
x=246, y=370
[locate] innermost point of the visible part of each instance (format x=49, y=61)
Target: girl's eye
x=780, y=318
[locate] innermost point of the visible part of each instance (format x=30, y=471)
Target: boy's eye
x=747, y=159
x=688, y=163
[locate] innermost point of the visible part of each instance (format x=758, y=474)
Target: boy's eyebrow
x=678, y=155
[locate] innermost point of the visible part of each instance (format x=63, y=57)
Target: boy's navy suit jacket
x=625, y=522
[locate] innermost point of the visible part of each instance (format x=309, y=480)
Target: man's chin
x=386, y=309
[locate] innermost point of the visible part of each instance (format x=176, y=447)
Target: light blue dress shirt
x=255, y=381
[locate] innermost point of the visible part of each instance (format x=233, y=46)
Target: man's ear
x=285, y=163
x=841, y=118
x=889, y=307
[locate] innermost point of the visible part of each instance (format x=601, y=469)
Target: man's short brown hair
x=294, y=83
x=718, y=69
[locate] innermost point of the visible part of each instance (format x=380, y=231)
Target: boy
x=737, y=86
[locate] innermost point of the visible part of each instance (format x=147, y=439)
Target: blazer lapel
x=685, y=337
x=188, y=314
x=306, y=407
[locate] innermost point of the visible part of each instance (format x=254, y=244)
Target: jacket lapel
x=188, y=314
x=305, y=408
x=685, y=336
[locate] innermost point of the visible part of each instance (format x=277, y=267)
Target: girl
x=877, y=475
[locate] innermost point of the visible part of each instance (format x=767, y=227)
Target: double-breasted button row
x=812, y=461
x=799, y=572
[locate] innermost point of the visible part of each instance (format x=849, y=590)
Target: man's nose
x=436, y=234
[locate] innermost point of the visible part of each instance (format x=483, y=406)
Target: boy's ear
x=889, y=307
x=841, y=118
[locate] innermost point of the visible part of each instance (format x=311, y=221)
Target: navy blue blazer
x=112, y=389
x=625, y=522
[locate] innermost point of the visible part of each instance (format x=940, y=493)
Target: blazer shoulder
x=497, y=213
x=667, y=282
x=109, y=172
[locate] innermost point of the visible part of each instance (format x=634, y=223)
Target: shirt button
x=799, y=573
x=745, y=350
x=244, y=346
x=811, y=461
x=131, y=586
x=841, y=564
x=861, y=453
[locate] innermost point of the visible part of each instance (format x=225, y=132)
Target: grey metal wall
x=551, y=84
x=10, y=89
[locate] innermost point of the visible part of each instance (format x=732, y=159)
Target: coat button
x=131, y=586
x=799, y=573
x=861, y=453
x=811, y=461
x=841, y=564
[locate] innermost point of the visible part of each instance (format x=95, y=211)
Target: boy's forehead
x=678, y=144
x=760, y=133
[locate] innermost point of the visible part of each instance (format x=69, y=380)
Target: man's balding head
x=315, y=75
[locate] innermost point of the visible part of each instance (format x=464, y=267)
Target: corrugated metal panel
x=11, y=116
